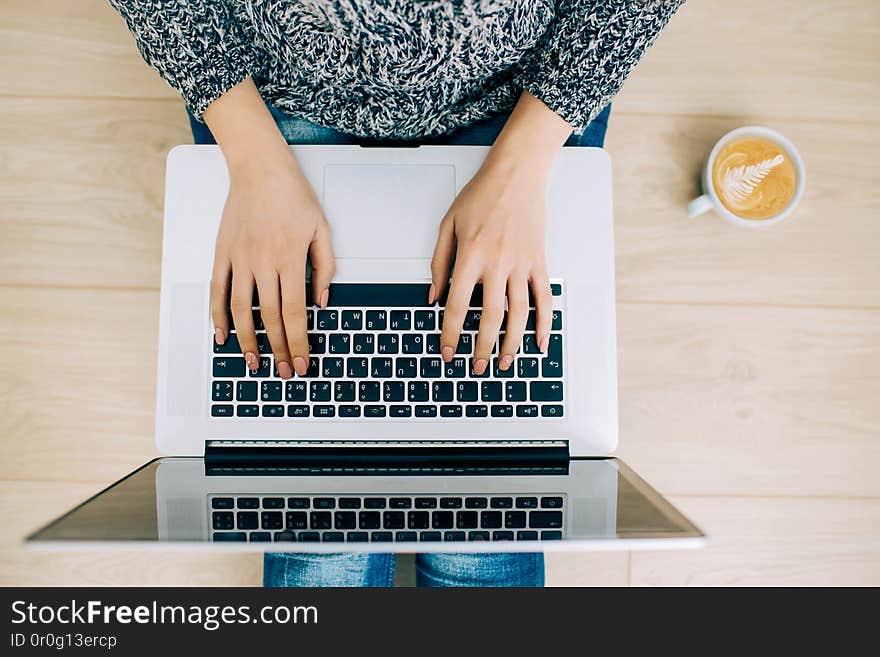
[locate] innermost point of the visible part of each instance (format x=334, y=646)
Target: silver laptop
x=382, y=446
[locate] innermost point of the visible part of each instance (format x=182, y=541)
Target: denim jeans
x=460, y=570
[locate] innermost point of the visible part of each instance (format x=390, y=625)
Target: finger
x=293, y=313
x=517, y=314
x=543, y=307
x=441, y=261
x=241, y=305
x=323, y=265
x=463, y=280
x=220, y=297
x=270, y=312
x=490, y=322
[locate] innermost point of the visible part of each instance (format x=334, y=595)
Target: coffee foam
x=754, y=178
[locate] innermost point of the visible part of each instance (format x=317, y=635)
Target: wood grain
x=772, y=542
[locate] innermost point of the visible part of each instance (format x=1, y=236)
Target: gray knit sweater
x=399, y=68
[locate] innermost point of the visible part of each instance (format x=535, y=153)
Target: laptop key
x=515, y=391
x=247, y=519
x=551, y=368
x=323, y=410
x=501, y=503
x=371, y=410
x=499, y=373
x=484, y=375
x=527, y=410
x=364, y=344
x=406, y=537
x=332, y=537
x=503, y=410
x=228, y=367
x=401, y=320
x=527, y=535
x=450, y=502
x=442, y=391
x=369, y=519
x=271, y=520
x=263, y=345
x=450, y=410
x=295, y=391
x=246, y=391
x=273, y=502
x=527, y=368
x=426, y=411
x=551, y=502
x=400, y=503
x=417, y=520
x=432, y=343
x=221, y=410
x=222, y=503
x=297, y=411
x=327, y=320
x=374, y=502
x=357, y=368
x=430, y=536
x=476, y=410
x=357, y=537
x=228, y=537
x=454, y=536
x=442, y=519
x=320, y=520
x=406, y=368
x=377, y=320
x=465, y=344
x=317, y=343
x=502, y=536
x=270, y=391
x=284, y=537
x=309, y=537
x=344, y=391
x=472, y=320
x=557, y=321
x=530, y=344
x=314, y=369
x=551, y=410
x=273, y=410
x=389, y=343
x=491, y=520
x=393, y=391
x=381, y=537
x=556, y=289
x=424, y=320
x=319, y=391
x=478, y=536
x=298, y=502
x=381, y=368
x=345, y=520
x=545, y=391
x=466, y=520
x=247, y=410
x=349, y=503
x=466, y=391
x=551, y=536
x=223, y=520
x=222, y=391
x=352, y=320
x=417, y=391
x=545, y=519
x=296, y=520
x=332, y=368
x=393, y=519
x=400, y=411
x=430, y=368
x=425, y=503
x=248, y=503
x=324, y=503
x=455, y=369
x=526, y=502
x=349, y=410
x=340, y=343
x=368, y=391
x=515, y=519
x=411, y=343
x=476, y=503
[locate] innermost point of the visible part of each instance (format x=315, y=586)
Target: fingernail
x=300, y=365
x=545, y=342
x=480, y=366
x=219, y=335
x=431, y=292
x=284, y=370
x=446, y=353
x=251, y=359
x=505, y=362
x=325, y=297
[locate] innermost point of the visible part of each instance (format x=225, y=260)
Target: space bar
x=379, y=294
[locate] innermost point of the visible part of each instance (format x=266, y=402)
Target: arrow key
x=551, y=367
x=549, y=391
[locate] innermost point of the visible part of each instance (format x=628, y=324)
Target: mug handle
x=699, y=205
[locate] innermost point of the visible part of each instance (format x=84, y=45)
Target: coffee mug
x=753, y=177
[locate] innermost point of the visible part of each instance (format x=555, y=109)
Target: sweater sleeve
x=588, y=51
x=199, y=47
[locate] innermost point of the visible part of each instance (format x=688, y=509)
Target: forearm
x=245, y=130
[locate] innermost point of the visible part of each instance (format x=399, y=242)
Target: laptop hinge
x=384, y=455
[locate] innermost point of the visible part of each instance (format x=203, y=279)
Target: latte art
x=754, y=178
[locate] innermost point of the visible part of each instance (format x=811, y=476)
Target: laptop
x=382, y=446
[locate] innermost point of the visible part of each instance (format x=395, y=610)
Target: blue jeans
x=460, y=570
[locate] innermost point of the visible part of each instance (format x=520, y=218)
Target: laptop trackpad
x=386, y=211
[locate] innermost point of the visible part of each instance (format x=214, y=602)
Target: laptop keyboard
x=375, y=518
x=375, y=353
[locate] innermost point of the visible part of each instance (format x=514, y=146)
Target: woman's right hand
x=271, y=222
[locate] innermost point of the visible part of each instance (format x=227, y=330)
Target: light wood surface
x=749, y=359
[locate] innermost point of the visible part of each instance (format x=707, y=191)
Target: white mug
x=710, y=201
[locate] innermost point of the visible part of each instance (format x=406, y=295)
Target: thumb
x=441, y=261
x=323, y=264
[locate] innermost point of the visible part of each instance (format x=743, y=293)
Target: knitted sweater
x=399, y=68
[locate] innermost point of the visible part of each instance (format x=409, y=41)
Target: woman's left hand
x=496, y=229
